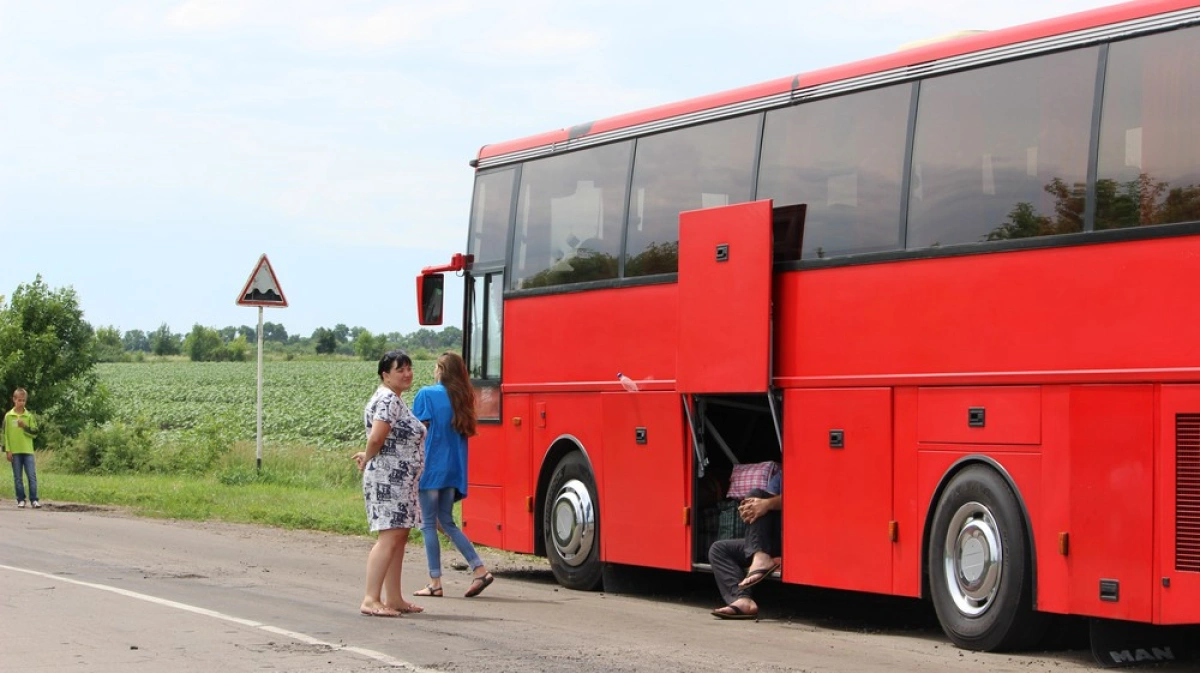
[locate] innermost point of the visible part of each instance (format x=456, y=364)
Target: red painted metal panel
x=580, y=340
x=1178, y=601
x=725, y=299
x=908, y=509
x=518, y=480
x=838, y=501
x=1013, y=317
x=1054, y=516
x=1012, y=415
x=1111, y=487
x=645, y=487
x=485, y=458
x=482, y=512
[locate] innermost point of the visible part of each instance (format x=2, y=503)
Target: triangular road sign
x=263, y=288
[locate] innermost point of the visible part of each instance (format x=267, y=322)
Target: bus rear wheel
x=571, y=525
x=980, y=572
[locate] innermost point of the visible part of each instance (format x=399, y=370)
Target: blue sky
x=151, y=150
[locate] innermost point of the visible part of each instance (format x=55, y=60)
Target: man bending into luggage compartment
x=740, y=564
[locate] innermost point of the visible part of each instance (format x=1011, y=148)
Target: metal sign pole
x=258, y=451
x=262, y=289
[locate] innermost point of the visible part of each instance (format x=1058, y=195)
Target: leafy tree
x=47, y=348
x=274, y=332
x=238, y=349
x=250, y=333
x=341, y=332
x=228, y=333
x=325, y=340
x=203, y=344
x=108, y=345
x=370, y=347
x=163, y=341
x=136, y=340
x=656, y=258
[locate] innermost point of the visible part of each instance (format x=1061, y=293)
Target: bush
x=113, y=448
x=199, y=450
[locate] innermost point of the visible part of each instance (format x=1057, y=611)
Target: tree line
x=210, y=344
x=48, y=348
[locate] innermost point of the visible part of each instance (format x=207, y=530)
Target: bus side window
x=1149, y=166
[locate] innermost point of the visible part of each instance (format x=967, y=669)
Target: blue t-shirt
x=445, y=448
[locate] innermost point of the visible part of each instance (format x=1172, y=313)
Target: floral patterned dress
x=390, y=479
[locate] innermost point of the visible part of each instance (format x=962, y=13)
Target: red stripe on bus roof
x=932, y=52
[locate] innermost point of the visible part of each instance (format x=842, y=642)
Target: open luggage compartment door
x=725, y=299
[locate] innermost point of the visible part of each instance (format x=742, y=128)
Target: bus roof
x=563, y=139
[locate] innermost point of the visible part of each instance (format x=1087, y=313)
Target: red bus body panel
x=725, y=299
x=646, y=487
x=1177, y=590
x=850, y=549
x=1068, y=387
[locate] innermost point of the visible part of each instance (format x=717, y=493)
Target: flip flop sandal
x=478, y=585
x=755, y=576
x=737, y=613
x=429, y=590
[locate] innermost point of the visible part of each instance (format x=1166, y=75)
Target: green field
x=312, y=422
x=305, y=403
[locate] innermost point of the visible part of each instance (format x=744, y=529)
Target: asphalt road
x=94, y=590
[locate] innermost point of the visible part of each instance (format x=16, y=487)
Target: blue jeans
x=24, y=461
x=437, y=506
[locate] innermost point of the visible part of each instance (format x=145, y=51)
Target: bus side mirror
x=430, y=290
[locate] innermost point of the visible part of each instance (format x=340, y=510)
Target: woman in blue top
x=447, y=408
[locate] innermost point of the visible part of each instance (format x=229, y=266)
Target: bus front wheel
x=979, y=564
x=571, y=525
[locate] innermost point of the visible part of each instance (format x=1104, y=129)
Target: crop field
x=309, y=403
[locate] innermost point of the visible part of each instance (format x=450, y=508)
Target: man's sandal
x=755, y=576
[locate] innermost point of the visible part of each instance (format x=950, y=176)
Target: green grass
x=313, y=417
x=302, y=488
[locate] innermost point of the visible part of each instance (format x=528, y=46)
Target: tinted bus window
x=569, y=213
x=1149, y=168
x=843, y=158
x=490, y=209
x=697, y=167
x=1001, y=152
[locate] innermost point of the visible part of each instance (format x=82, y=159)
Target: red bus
x=947, y=288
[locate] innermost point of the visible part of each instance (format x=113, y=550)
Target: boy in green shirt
x=20, y=428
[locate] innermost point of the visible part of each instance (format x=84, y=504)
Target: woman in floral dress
x=391, y=468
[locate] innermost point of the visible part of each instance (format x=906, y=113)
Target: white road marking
x=302, y=637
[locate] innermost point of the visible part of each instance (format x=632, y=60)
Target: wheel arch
x=562, y=446
x=927, y=530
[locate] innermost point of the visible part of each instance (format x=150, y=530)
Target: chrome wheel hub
x=573, y=523
x=972, y=560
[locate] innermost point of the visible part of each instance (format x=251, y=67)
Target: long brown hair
x=458, y=386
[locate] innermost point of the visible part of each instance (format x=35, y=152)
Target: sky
x=152, y=150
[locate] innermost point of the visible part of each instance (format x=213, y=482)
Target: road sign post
x=261, y=290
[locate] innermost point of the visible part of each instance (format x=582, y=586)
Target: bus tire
x=571, y=525
x=980, y=570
